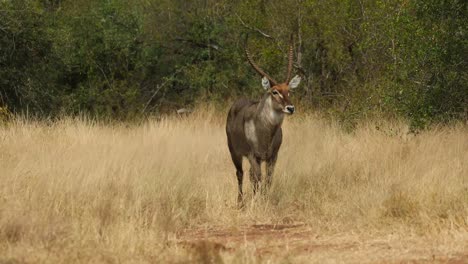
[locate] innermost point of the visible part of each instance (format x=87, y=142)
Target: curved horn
x=290, y=58
x=255, y=66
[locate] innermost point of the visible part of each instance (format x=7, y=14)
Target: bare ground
x=299, y=242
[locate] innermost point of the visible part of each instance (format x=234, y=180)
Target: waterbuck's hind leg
x=255, y=172
x=237, y=160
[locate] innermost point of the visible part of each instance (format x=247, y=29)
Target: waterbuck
x=253, y=128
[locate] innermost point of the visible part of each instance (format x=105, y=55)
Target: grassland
x=165, y=191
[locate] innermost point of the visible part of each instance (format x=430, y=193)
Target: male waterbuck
x=253, y=128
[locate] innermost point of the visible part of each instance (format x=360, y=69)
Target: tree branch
x=160, y=86
x=253, y=28
x=198, y=44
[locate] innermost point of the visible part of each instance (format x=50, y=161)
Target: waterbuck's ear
x=265, y=83
x=294, y=82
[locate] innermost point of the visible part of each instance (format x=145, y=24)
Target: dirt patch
x=456, y=259
x=301, y=241
x=244, y=233
x=276, y=226
x=266, y=238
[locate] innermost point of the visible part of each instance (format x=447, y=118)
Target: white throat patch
x=270, y=115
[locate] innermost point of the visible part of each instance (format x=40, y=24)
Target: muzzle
x=289, y=109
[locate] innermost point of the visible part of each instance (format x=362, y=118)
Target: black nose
x=290, y=108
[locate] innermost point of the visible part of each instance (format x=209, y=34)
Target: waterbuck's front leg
x=270, y=168
x=255, y=172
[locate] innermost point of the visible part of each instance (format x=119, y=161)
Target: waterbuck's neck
x=266, y=115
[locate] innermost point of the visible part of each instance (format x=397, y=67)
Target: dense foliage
x=122, y=59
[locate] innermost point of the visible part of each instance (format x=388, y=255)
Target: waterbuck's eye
x=275, y=92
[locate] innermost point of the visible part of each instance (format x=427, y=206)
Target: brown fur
x=253, y=128
x=254, y=131
x=283, y=89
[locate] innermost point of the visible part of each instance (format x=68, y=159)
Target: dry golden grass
x=165, y=191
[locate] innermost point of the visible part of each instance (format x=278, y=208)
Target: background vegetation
x=124, y=59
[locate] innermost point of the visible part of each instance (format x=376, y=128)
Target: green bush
x=27, y=77
x=119, y=60
x=431, y=81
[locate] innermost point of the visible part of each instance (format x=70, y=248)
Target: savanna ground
x=164, y=191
